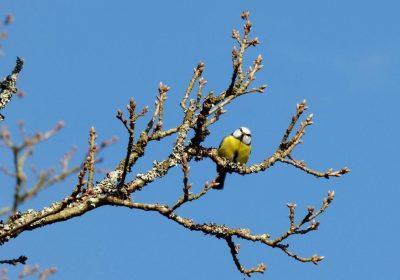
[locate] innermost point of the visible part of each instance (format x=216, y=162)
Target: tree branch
x=234, y=249
x=8, y=86
x=20, y=259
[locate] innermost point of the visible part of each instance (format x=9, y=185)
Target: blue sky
x=85, y=59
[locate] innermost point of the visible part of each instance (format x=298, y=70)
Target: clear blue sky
x=85, y=59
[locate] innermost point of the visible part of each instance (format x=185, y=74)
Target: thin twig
x=91, y=159
x=234, y=249
x=327, y=174
x=20, y=259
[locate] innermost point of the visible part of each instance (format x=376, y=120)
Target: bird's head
x=243, y=134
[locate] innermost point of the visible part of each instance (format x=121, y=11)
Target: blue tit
x=235, y=147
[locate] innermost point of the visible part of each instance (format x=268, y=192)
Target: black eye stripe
x=241, y=130
x=241, y=135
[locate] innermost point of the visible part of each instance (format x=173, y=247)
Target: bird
x=235, y=147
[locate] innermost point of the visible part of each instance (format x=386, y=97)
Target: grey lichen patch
x=110, y=183
x=8, y=86
x=178, y=150
x=46, y=210
x=160, y=168
x=265, y=236
x=92, y=201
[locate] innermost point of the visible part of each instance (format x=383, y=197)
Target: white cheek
x=246, y=139
x=237, y=133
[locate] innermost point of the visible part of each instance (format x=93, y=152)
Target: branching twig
x=197, y=72
x=20, y=155
x=327, y=174
x=128, y=162
x=234, y=249
x=300, y=108
x=189, y=197
x=309, y=217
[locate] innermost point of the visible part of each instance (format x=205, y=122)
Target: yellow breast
x=234, y=150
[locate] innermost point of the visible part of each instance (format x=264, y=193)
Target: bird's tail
x=220, y=179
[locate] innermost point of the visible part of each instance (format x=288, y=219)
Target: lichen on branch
x=8, y=86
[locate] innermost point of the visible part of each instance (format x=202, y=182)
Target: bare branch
x=125, y=165
x=35, y=270
x=300, y=108
x=327, y=174
x=8, y=87
x=91, y=158
x=309, y=217
x=159, y=108
x=187, y=198
x=186, y=184
x=20, y=259
x=234, y=249
x=197, y=72
x=47, y=272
